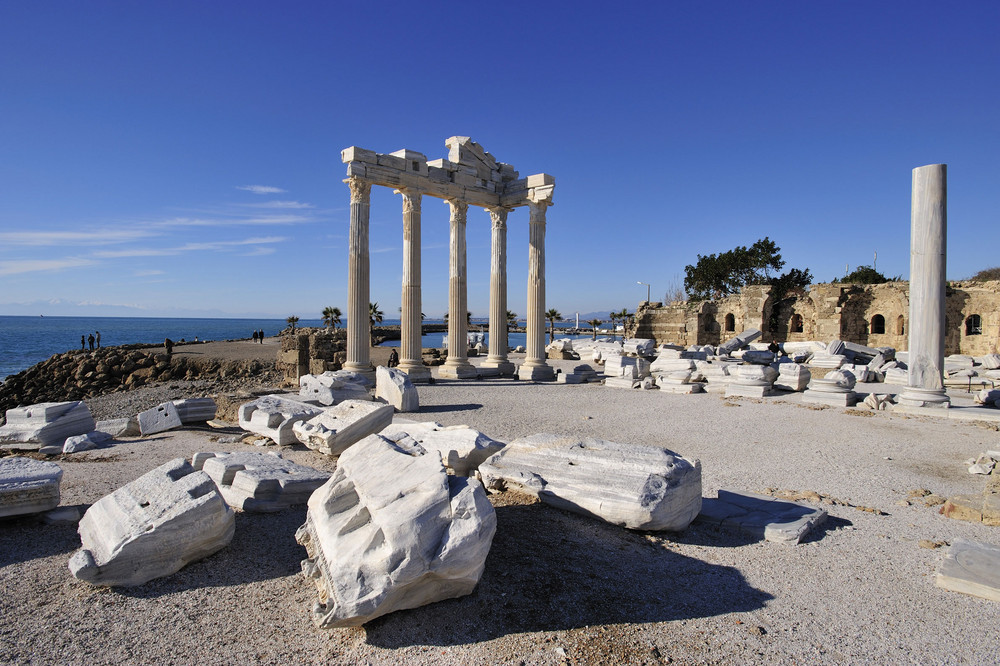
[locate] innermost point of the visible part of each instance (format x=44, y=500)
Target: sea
x=25, y=341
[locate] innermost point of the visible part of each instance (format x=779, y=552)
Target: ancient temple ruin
x=470, y=176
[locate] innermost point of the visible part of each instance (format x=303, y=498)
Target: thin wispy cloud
x=287, y=205
x=380, y=250
x=42, y=265
x=147, y=273
x=187, y=247
x=259, y=252
x=261, y=189
x=76, y=238
x=257, y=221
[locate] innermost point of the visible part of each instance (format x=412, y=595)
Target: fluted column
x=497, y=357
x=410, y=323
x=358, y=324
x=534, y=366
x=928, y=251
x=457, y=365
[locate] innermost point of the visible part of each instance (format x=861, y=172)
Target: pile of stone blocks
x=28, y=486
x=752, y=381
x=274, y=416
x=581, y=374
x=334, y=429
x=741, y=341
x=984, y=507
x=152, y=527
x=259, y=482
x=390, y=530
x=46, y=424
x=638, y=487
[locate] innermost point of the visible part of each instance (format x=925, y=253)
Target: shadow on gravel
x=263, y=548
x=550, y=570
x=462, y=407
x=831, y=524
x=26, y=538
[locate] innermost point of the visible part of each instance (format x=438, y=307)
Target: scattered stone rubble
x=259, y=482
x=274, y=416
x=47, y=424
x=639, y=487
x=152, y=527
x=392, y=530
x=28, y=486
x=333, y=387
x=984, y=507
x=462, y=449
x=335, y=428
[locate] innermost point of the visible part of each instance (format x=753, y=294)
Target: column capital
x=459, y=210
x=411, y=199
x=498, y=216
x=536, y=212
x=361, y=189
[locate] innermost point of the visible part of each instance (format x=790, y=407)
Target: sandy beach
x=558, y=587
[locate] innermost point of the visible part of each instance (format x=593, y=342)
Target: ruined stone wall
x=875, y=315
x=311, y=351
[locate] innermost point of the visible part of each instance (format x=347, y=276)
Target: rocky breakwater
x=78, y=375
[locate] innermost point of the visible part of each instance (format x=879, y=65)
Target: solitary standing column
x=535, y=367
x=497, y=357
x=358, y=325
x=410, y=324
x=457, y=365
x=928, y=242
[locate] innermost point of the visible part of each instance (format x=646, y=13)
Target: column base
x=915, y=396
x=536, y=373
x=458, y=370
x=418, y=374
x=502, y=366
x=362, y=369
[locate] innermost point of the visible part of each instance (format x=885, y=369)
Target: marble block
x=332, y=387
x=682, y=389
x=635, y=486
x=897, y=375
x=394, y=386
x=392, y=530
x=663, y=365
x=28, y=486
x=48, y=423
x=739, y=342
x=836, y=389
x=336, y=428
x=161, y=418
x=195, y=410
x=274, y=416
x=622, y=382
x=639, y=346
x=568, y=378
x=792, y=377
x=822, y=360
x=971, y=568
x=757, y=357
x=152, y=527
x=761, y=515
x=990, y=361
x=78, y=443
x=461, y=448
x=259, y=482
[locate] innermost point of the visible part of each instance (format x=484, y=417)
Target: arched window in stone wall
x=795, y=323
x=878, y=324
x=974, y=325
x=900, y=327
x=730, y=322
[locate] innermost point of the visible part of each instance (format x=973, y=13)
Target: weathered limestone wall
x=311, y=351
x=874, y=315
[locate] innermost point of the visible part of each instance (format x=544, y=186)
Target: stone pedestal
x=457, y=365
x=358, y=324
x=928, y=249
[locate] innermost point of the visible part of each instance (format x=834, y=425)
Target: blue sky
x=183, y=158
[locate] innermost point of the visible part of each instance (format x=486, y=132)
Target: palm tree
x=374, y=317
x=468, y=318
x=613, y=316
x=331, y=317
x=624, y=315
x=553, y=316
x=511, y=319
x=292, y=321
x=595, y=323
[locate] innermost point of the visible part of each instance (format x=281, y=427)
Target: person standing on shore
x=169, y=345
x=260, y=336
x=90, y=340
x=98, y=339
x=255, y=336
x=83, y=343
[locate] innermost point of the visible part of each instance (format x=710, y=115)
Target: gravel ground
x=559, y=588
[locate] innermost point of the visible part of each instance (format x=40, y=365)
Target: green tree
x=987, y=274
x=511, y=319
x=331, y=317
x=292, y=321
x=718, y=275
x=624, y=316
x=864, y=275
x=594, y=323
x=553, y=316
x=374, y=317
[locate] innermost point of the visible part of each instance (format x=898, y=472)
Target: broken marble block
x=639, y=346
x=739, y=342
x=48, y=423
x=615, y=363
x=989, y=362
x=394, y=386
x=461, y=448
x=78, y=443
x=336, y=428
x=971, y=568
x=259, y=482
x=392, y=530
x=836, y=388
x=581, y=374
x=988, y=397
x=752, y=381
x=761, y=357
x=761, y=515
x=161, y=418
x=792, y=377
x=638, y=487
x=897, y=375
x=274, y=416
x=332, y=387
x=665, y=365
x=28, y=486
x=195, y=410
x=153, y=526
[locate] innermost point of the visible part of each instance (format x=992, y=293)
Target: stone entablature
x=829, y=311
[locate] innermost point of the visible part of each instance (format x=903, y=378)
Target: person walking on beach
x=255, y=336
x=260, y=336
x=98, y=339
x=90, y=340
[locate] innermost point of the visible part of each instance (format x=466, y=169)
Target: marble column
x=928, y=244
x=497, y=357
x=358, y=324
x=457, y=365
x=535, y=367
x=410, y=321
